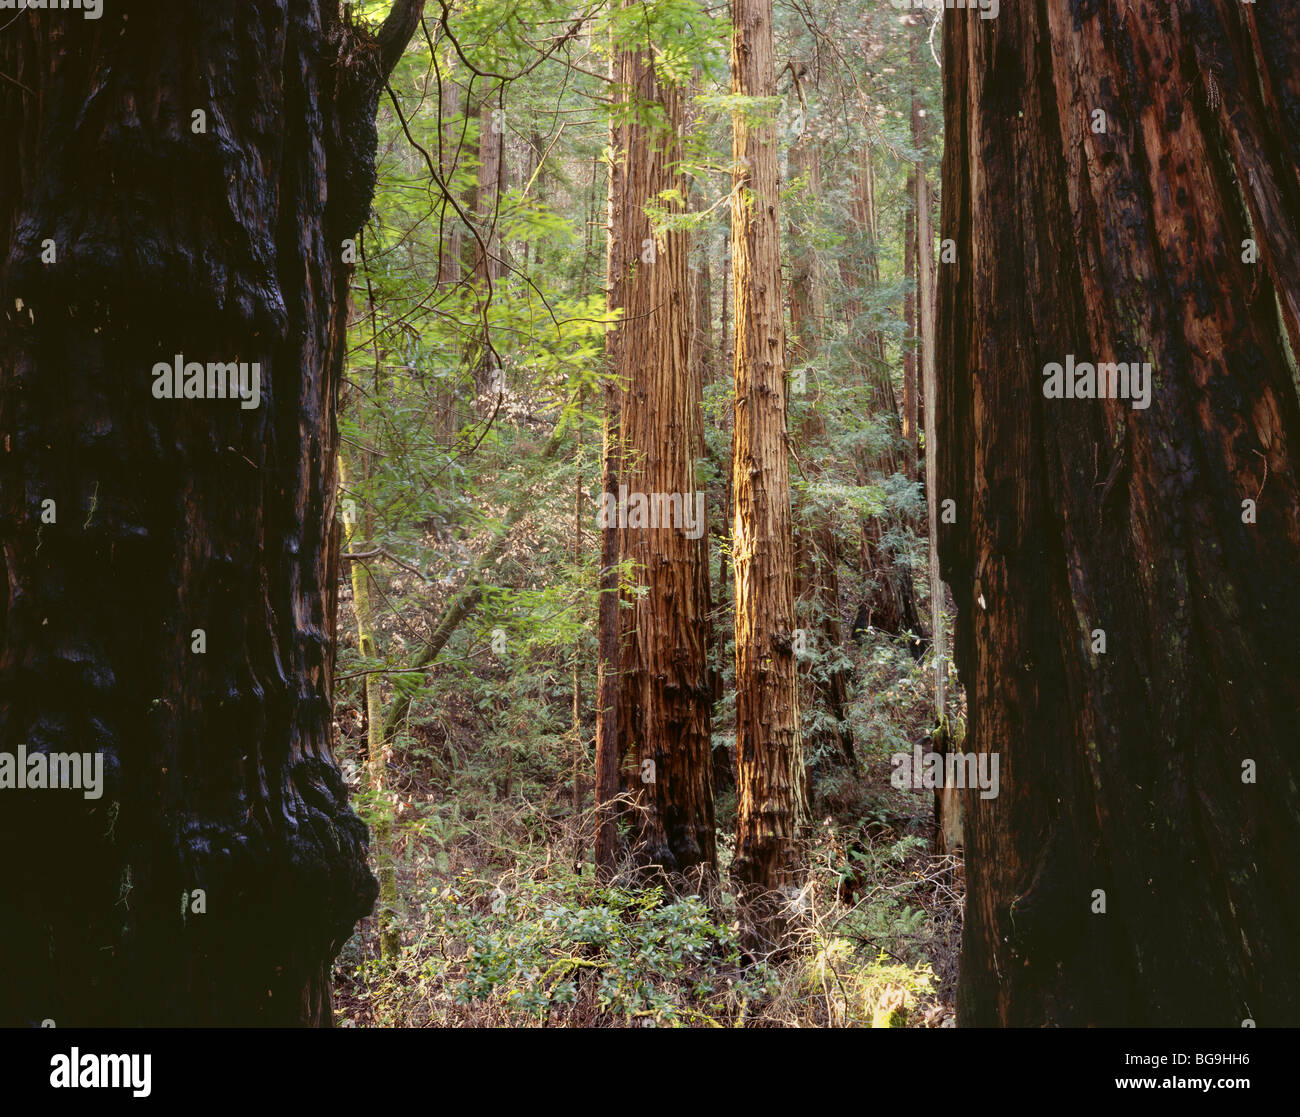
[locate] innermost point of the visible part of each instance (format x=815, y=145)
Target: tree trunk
x=770, y=776
x=704, y=351
x=134, y=231
x=1126, y=620
x=488, y=263
x=579, y=749
x=876, y=370
x=910, y=410
x=451, y=245
x=947, y=799
x=925, y=281
x=665, y=702
x=910, y=300
x=487, y=199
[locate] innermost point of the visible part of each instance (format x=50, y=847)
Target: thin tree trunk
x=724, y=767
x=910, y=410
x=487, y=247
x=578, y=747
x=947, y=799
x=910, y=397
x=925, y=290
x=451, y=247
x=608, y=661
x=487, y=198
x=702, y=300
x=727, y=334
x=378, y=750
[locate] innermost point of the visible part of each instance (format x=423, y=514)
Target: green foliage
x=645, y=957
x=471, y=426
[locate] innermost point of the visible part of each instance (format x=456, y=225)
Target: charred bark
x=133, y=231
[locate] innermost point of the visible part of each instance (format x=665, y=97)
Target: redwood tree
x=770, y=772
x=665, y=698
x=1127, y=578
x=181, y=184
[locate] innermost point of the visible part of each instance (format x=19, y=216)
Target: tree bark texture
x=666, y=701
x=1126, y=767
x=770, y=773
x=129, y=235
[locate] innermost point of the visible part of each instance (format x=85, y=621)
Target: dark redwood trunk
x=175, y=515
x=1122, y=771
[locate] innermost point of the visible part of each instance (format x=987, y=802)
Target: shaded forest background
x=471, y=430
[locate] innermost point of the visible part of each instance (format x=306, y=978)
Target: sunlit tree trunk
x=665, y=702
x=769, y=753
x=608, y=659
x=947, y=799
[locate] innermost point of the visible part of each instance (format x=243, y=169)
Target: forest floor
x=502, y=922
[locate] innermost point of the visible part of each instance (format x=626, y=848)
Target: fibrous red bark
x=1127, y=625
